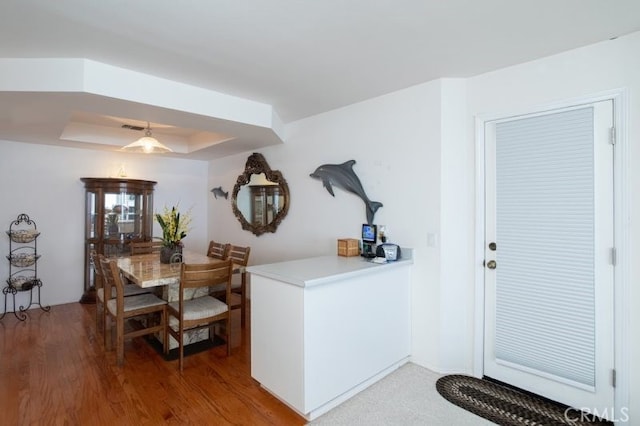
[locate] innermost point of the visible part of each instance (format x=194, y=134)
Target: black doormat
x=190, y=349
x=507, y=406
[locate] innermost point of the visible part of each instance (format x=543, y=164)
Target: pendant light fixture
x=147, y=144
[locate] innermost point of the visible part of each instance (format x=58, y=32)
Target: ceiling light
x=147, y=144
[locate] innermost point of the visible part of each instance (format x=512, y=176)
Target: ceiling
x=286, y=59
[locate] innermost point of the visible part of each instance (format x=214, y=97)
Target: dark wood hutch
x=265, y=203
x=117, y=212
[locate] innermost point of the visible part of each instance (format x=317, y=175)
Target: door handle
x=491, y=264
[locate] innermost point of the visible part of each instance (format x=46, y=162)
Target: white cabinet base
x=345, y=396
x=316, y=343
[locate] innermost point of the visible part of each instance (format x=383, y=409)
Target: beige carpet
x=406, y=397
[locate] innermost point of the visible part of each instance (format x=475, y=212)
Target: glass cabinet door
x=118, y=211
x=273, y=202
x=91, y=221
x=258, y=205
x=266, y=202
x=123, y=221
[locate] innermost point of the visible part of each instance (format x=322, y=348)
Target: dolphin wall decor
x=219, y=192
x=343, y=176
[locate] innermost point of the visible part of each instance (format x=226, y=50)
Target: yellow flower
x=174, y=226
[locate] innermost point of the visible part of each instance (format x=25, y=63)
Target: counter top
x=313, y=271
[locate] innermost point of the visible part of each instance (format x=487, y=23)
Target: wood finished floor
x=54, y=371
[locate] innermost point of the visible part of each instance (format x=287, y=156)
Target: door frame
x=621, y=333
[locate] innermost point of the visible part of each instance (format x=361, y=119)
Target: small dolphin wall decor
x=343, y=176
x=219, y=192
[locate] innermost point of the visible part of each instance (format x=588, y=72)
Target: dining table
x=147, y=271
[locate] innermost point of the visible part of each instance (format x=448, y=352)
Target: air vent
x=130, y=127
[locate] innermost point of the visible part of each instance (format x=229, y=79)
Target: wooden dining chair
x=218, y=250
x=239, y=256
x=145, y=247
x=200, y=312
x=120, y=309
x=130, y=289
x=98, y=281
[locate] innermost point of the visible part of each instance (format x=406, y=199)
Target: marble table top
x=146, y=270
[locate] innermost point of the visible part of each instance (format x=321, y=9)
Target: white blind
x=545, y=317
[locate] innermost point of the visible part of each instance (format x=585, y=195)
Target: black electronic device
x=369, y=233
x=369, y=240
x=389, y=251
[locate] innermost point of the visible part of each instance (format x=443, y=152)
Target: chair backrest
x=145, y=247
x=97, y=267
x=112, y=280
x=218, y=250
x=194, y=275
x=239, y=255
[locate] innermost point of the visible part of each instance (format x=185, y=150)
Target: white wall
x=395, y=140
x=416, y=151
x=578, y=73
x=455, y=343
x=44, y=182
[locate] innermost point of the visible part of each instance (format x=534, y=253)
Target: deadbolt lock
x=491, y=264
x=492, y=246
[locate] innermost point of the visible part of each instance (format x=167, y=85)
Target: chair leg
x=243, y=299
x=104, y=317
x=120, y=341
x=165, y=331
x=99, y=317
x=167, y=335
x=108, y=339
x=229, y=334
x=181, y=346
x=212, y=333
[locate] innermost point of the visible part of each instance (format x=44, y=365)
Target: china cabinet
x=265, y=203
x=23, y=271
x=118, y=211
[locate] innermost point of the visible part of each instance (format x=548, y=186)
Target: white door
x=549, y=254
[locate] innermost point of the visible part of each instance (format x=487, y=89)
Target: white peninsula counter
x=324, y=328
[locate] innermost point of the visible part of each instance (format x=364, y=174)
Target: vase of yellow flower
x=174, y=229
x=171, y=254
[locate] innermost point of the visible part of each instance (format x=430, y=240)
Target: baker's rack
x=23, y=265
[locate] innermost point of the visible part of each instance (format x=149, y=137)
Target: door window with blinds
x=539, y=323
x=549, y=210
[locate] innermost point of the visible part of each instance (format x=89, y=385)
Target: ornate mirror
x=260, y=196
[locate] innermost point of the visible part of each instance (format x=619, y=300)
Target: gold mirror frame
x=256, y=164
